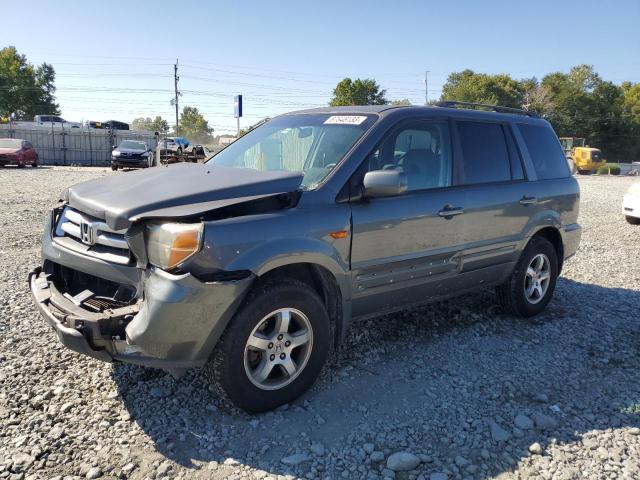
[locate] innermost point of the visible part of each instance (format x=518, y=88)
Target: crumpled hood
x=181, y=189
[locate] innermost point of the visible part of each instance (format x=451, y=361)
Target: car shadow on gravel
x=470, y=390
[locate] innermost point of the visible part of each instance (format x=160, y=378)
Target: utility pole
x=175, y=78
x=426, y=87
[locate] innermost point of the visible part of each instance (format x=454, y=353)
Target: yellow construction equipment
x=584, y=158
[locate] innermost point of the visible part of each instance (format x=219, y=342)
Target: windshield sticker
x=345, y=120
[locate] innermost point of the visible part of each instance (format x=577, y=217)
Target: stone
x=368, y=447
x=317, y=448
x=544, y=422
x=94, y=472
x=523, y=422
x=377, y=456
x=296, y=459
x=535, y=448
x=438, y=476
x=402, y=461
x=498, y=433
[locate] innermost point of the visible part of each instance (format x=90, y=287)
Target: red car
x=14, y=151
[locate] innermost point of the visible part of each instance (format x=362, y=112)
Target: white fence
x=73, y=146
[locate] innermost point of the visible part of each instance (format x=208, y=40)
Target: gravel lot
x=454, y=390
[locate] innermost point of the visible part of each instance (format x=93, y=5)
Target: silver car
x=254, y=264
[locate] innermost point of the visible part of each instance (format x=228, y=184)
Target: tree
x=358, y=92
x=25, y=90
x=158, y=124
x=468, y=86
x=194, y=126
x=404, y=101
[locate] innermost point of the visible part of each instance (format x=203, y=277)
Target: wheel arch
x=324, y=283
x=553, y=235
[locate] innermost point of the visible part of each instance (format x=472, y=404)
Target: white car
x=631, y=204
x=54, y=120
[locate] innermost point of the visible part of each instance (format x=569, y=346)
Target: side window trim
x=460, y=156
x=515, y=158
x=529, y=171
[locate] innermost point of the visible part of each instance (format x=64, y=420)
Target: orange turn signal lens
x=339, y=234
x=170, y=244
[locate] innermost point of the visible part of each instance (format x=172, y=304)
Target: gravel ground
x=453, y=390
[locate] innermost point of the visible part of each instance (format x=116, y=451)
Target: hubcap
x=278, y=349
x=537, y=278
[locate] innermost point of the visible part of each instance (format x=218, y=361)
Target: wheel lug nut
x=272, y=358
x=280, y=337
x=287, y=343
x=282, y=356
x=271, y=345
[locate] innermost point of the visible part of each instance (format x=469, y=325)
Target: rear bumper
x=631, y=205
x=571, y=235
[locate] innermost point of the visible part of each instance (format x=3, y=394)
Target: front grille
x=91, y=236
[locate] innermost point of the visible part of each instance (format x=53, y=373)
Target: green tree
x=469, y=86
x=404, y=101
x=158, y=124
x=358, y=92
x=194, y=126
x=25, y=90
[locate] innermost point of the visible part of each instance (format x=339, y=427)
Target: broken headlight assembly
x=170, y=244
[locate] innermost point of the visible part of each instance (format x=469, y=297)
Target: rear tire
x=632, y=220
x=524, y=293
x=265, y=340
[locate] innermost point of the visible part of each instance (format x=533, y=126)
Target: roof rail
x=493, y=108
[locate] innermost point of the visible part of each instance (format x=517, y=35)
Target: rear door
x=496, y=201
x=404, y=250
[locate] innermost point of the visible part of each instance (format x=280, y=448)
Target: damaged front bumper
x=173, y=325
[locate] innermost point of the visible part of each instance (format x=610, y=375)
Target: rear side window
x=485, y=153
x=545, y=151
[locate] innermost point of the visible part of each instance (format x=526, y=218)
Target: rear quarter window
x=545, y=151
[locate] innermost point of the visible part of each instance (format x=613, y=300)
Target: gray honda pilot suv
x=255, y=263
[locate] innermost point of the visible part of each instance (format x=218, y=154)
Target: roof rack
x=493, y=108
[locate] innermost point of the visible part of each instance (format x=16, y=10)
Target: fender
x=272, y=254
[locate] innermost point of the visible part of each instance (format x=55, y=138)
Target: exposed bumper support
x=174, y=327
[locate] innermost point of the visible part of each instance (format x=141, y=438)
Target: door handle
x=528, y=200
x=448, y=211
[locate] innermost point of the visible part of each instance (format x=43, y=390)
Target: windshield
x=596, y=155
x=10, y=143
x=132, y=145
x=312, y=144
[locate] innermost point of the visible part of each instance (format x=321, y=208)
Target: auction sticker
x=345, y=120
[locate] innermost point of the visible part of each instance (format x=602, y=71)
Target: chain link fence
x=59, y=145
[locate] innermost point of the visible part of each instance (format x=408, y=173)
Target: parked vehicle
x=93, y=124
x=14, y=151
x=131, y=154
x=581, y=157
x=255, y=263
x=176, y=145
x=115, y=125
x=631, y=204
x=55, y=120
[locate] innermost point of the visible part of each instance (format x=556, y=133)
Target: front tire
x=274, y=348
x=531, y=285
x=114, y=168
x=632, y=220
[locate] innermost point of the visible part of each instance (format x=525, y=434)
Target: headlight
x=170, y=244
x=115, y=153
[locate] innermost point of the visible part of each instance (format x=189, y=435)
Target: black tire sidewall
x=536, y=245
x=229, y=357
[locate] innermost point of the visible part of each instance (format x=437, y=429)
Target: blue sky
x=114, y=60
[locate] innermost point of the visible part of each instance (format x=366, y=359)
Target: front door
x=405, y=248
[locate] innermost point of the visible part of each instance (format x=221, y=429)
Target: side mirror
x=384, y=183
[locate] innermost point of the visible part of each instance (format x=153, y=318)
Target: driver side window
x=421, y=150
